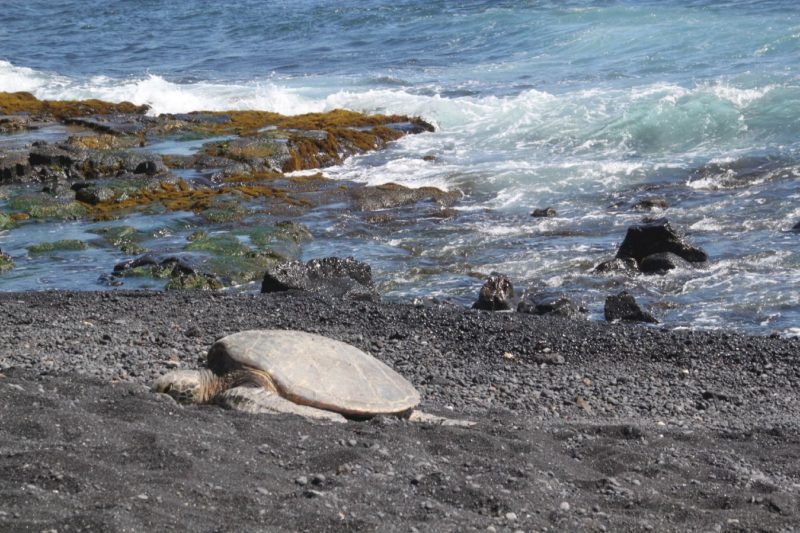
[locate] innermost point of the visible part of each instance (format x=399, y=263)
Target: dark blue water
x=579, y=105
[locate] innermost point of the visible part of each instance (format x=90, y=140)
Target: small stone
x=302, y=481
x=511, y=516
x=313, y=494
x=564, y=506
x=142, y=497
x=318, y=479
x=352, y=442
x=262, y=491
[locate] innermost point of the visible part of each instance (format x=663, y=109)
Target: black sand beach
x=581, y=425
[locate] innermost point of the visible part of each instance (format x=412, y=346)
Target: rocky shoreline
x=581, y=425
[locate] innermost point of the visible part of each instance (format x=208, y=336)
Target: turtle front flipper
x=427, y=418
x=187, y=386
x=262, y=400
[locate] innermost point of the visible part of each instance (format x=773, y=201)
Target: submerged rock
x=623, y=306
x=650, y=203
x=618, y=264
x=497, y=294
x=544, y=212
x=6, y=263
x=333, y=276
x=657, y=237
x=392, y=195
x=796, y=227
x=551, y=304
x=55, y=246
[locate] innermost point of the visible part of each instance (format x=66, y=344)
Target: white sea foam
x=537, y=142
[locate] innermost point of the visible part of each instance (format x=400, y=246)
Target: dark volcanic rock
x=14, y=167
x=88, y=193
x=618, y=264
x=796, y=227
x=392, y=195
x=332, y=276
x=551, y=304
x=497, y=294
x=151, y=166
x=181, y=274
x=623, y=306
x=653, y=202
x=544, y=212
x=662, y=262
x=413, y=128
x=656, y=237
x=46, y=154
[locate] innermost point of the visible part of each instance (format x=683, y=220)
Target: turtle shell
x=313, y=370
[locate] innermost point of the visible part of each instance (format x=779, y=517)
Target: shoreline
x=631, y=427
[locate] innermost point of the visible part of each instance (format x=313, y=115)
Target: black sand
x=581, y=426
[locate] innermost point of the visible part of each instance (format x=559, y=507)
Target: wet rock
x=796, y=227
x=551, y=304
x=650, y=203
x=619, y=264
x=47, y=154
x=65, y=245
x=333, y=276
x=655, y=237
x=12, y=123
x=544, y=212
x=14, y=167
x=623, y=306
x=661, y=263
x=256, y=154
x=181, y=273
x=6, y=263
x=90, y=194
x=392, y=195
x=115, y=124
x=412, y=128
x=497, y=294
x=152, y=166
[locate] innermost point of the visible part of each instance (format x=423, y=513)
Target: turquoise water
x=585, y=106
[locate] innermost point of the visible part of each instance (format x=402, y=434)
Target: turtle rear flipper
x=261, y=400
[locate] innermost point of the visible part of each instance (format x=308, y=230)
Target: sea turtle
x=282, y=371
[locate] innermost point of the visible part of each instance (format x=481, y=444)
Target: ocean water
x=583, y=106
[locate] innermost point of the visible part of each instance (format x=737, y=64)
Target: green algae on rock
x=6, y=263
x=6, y=222
x=66, y=245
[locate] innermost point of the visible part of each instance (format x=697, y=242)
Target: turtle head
x=187, y=386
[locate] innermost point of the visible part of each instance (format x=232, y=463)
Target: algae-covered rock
x=6, y=221
x=66, y=245
x=44, y=205
x=392, y=195
x=231, y=259
x=126, y=238
x=6, y=263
